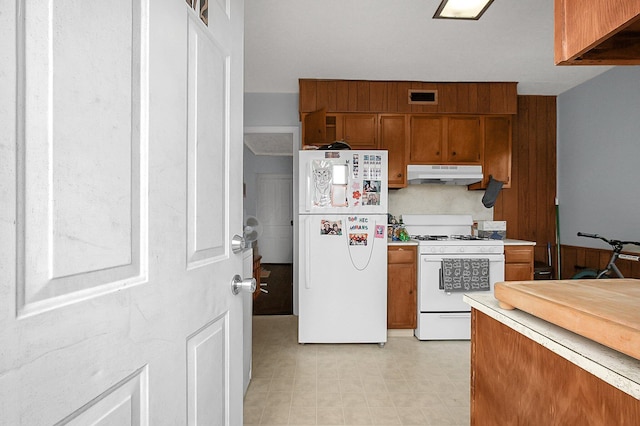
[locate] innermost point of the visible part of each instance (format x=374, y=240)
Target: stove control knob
x=441, y=249
x=461, y=249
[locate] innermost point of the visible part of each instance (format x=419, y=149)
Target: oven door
x=432, y=299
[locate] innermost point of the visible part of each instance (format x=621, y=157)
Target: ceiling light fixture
x=462, y=9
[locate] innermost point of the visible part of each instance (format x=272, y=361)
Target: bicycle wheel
x=585, y=274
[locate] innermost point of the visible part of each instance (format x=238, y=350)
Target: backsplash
x=438, y=199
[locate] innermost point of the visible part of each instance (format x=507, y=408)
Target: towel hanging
x=465, y=275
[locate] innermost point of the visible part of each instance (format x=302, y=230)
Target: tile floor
x=407, y=382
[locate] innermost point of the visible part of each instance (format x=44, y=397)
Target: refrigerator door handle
x=307, y=252
x=307, y=193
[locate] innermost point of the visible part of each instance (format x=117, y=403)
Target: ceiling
x=264, y=143
x=397, y=40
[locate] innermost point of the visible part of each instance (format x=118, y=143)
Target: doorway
x=269, y=180
x=274, y=209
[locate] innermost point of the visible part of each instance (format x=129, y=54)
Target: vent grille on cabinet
x=423, y=97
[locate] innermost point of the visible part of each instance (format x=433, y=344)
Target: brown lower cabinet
x=518, y=263
x=402, y=282
x=517, y=381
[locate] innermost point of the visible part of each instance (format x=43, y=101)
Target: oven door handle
x=454, y=316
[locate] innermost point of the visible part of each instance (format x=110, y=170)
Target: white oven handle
x=455, y=316
x=438, y=258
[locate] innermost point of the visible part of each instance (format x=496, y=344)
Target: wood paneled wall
x=529, y=205
x=574, y=259
x=393, y=97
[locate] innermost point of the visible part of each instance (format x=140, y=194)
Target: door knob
x=237, y=244
x=238, y=284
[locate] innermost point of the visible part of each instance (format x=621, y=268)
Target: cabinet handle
x=399, y=175
x=437, y=152
x=453, y=153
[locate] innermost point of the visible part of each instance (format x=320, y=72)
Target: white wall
x=271, y=109
x=599, y=158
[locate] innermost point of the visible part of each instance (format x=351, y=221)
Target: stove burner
x=448, y=237
x=431, y=237
x=467, y=237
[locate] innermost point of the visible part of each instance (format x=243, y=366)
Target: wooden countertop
x=613, y=367
x=605, y=311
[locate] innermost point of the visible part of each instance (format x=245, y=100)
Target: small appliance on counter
x=491, y=229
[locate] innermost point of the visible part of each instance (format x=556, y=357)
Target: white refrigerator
x=342, y=246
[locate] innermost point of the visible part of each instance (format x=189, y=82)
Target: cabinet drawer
x=518, y=254
x=518, y=272
x=401, y=255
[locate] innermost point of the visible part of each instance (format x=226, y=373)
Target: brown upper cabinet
x=446, y=123
x=358, y=130
x=445, y=140
x=393, y=137
x=597, y=32
x=497, y=150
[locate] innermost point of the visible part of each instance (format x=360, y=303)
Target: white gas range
x=451, y=262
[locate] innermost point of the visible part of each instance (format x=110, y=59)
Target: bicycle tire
x=585, y=274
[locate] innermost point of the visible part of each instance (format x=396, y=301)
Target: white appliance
x=444, y=174
x=443, y=240
x=342, y=246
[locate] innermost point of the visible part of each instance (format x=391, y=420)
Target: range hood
x=444, y=174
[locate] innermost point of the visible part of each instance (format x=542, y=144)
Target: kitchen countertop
x=611, y=366
x=390, y=242
x=507, y=242
x=511, y=242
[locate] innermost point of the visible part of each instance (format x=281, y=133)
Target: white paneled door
x=274, y=210
x=120, y=192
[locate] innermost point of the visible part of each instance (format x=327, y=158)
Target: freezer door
x=342, y=279
x=342, y=181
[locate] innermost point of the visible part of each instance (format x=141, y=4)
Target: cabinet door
x=463, y=140
x=426, y=135
x=359, y=130
x=518, y=272
x=314, y=128
x=589, y=32
x=402, y=284
x=497, y=151
x=393, y=137
x=518, y=254
x=518, y=263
